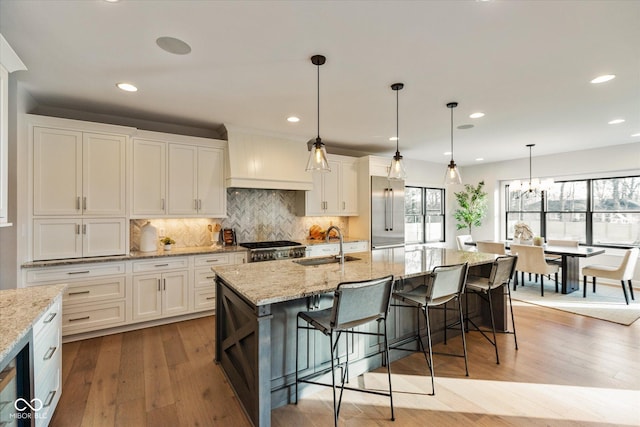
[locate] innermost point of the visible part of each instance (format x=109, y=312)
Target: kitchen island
x=256, y=312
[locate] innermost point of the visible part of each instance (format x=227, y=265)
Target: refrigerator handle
x=392, y=208
x=386, y=208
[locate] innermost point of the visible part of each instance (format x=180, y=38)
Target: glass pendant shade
x=318, y=158
x=397, y=170
x=452, y=175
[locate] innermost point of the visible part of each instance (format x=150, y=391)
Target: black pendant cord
x=397, y=123
x=530, y=173
x=451, y=135
x=318, y=105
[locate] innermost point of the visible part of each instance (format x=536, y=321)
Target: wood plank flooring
x=570, y=370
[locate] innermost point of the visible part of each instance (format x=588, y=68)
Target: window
x=593, y=211
x=424, y=215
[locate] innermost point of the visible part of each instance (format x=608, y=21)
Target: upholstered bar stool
x=501, y=272
x=624, y=273
x=354, y=304
x=445, y=283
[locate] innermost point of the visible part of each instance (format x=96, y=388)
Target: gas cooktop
x=269, y=245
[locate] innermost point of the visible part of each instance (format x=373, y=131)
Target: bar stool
x=445, y=283
x=354, y=304
x=501, y=272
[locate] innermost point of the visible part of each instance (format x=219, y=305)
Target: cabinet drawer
x=204, y=277
x=213, y=259
x=160, y=264
x=46, y=351
x=355, y=247
x=91, y=317
x=48, y=389
x=94, y=291
x=64, y=274
x=205, y=299
x=50, y=320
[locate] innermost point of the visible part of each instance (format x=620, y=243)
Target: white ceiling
x=526, y=64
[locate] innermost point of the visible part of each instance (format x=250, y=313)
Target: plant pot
x=167, y=247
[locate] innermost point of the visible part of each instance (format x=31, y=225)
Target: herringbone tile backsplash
x=256, y=215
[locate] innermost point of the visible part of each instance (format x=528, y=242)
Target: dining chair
x=354, y=304
x=624, y=273
x=531, y=260
x=445, y=283
x=557, y=259
x=501, y=272
x=461, y=240
x=491, y=247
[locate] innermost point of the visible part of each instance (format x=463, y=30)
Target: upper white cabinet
x=196, y=181
x=177, y=176
x=149, y=161
x=334, y=193
x=78, y=173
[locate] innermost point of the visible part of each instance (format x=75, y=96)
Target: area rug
x=606, y=304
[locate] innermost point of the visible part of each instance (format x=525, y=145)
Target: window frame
x=425, y=214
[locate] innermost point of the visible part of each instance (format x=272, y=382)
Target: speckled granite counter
x=198, y=250
x=19, y=310
x=276, y=281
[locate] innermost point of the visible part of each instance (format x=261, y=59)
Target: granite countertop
x=263, y=283
x=19, y=311
x=309, y=242
x=196, y=250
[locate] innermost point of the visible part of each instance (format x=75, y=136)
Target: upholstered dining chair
x=531, y=260
x=354, y=304
x=501, y=272
x=491, y=247
x=624, y=273
x=445, y=283
x=461, y=240
x=557, y=259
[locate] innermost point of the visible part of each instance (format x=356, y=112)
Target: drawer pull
x=50, y=317
x=80, y=318
x=49, y=398
x=211, y=277
x=79, y=292
x=213, y=260
x=161, y=265
x=210, y=298
x=49, y=354
x=79, y=272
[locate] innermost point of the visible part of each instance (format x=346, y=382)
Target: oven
x=273, y=250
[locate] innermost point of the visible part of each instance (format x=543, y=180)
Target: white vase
x=167, y=247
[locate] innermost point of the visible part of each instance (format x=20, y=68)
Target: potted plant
x=473, y=206
x=167, y=242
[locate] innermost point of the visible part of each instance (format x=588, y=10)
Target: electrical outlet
x=161, y=233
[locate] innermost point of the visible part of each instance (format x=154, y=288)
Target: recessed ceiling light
x=635, y=134
x=603, y=78
x=447, y=153
x=616, y=121
x=112, y=1
x=476, y=115
x=479, y=159
x=293, y=119
x=128, y=87
x=393, y=138
x=173, y=45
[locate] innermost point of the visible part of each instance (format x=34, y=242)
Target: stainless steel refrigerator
x=387, y=212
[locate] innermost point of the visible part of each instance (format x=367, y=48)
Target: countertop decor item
x=167, y=242
x=318, y=153
x=397, y=170
x=148, y=238
x=522, y=232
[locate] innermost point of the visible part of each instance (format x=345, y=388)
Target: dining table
x=569, y=262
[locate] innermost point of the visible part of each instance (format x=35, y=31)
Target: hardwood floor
x=570, y=370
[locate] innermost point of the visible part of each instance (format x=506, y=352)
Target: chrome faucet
x=341, y=254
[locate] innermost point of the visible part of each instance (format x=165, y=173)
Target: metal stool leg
x=386, y=349
x=426, y=318
x=493, y=325
x=464, y=340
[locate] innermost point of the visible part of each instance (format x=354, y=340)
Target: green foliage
x=473, y=206
x=167, y=241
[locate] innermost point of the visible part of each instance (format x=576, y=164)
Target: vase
x=167, y=247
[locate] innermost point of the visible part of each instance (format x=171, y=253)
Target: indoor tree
x=472, y=206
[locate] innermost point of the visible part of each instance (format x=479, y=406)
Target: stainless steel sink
x=324, y=260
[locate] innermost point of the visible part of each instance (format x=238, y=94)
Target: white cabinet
x=204, y=278
x=334, y=193
x=162, y=293
x=195, y=179
x=60, y=238
x=47, y=361
x=333, y=248
x=78, y=173
x=149, y=164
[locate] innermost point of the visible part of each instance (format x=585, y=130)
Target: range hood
x=267, y=161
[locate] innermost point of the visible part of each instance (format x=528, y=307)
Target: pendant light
x=397, y=170
x=318, y=153
x=452, y=176
x=535, y=185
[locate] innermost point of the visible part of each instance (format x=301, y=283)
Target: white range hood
x=267, y=161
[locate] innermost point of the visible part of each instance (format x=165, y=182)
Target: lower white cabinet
x=61, y=238
x=47, y=361
x=160, y=295
x=326, y=249
x=204, y=296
